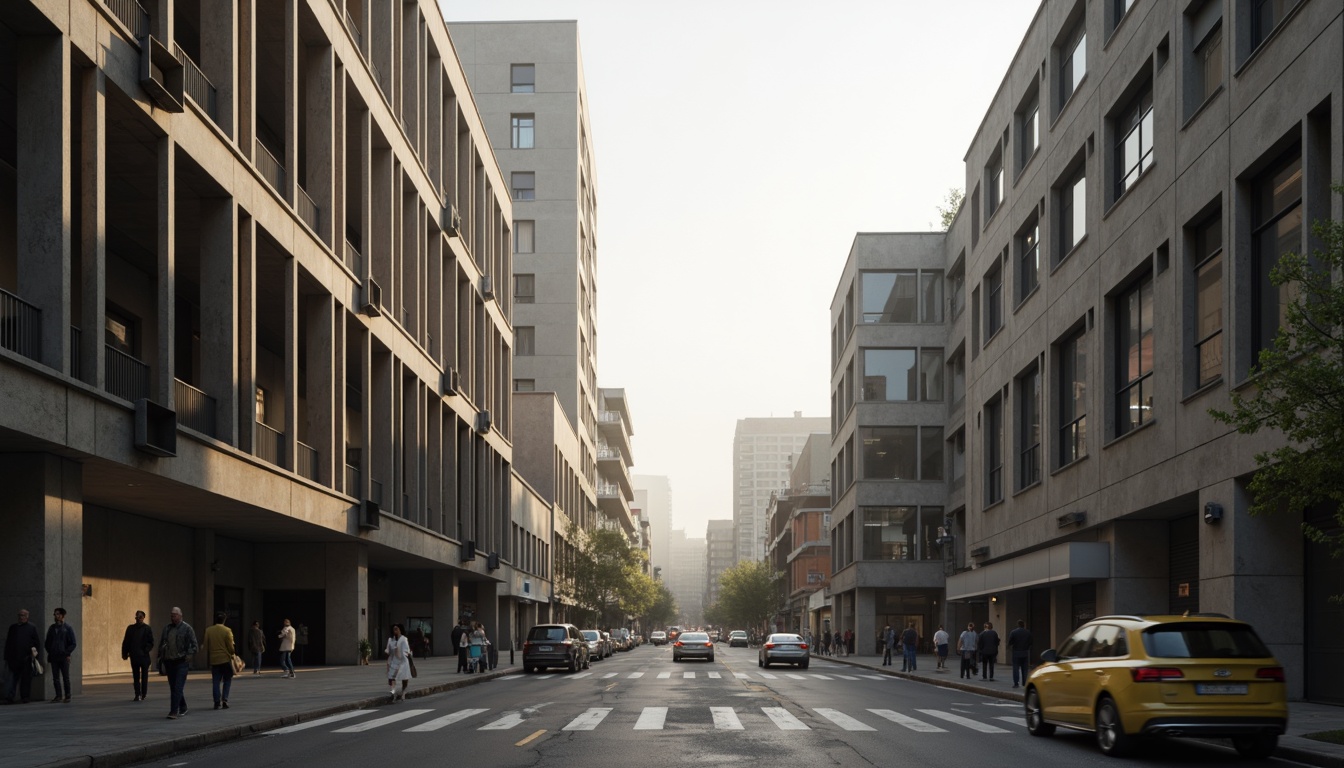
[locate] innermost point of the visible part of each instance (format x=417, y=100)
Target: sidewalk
x=1303, y=717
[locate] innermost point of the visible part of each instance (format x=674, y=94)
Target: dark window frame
x=1131, y=412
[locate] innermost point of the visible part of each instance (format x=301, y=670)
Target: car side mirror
x=1049, y=656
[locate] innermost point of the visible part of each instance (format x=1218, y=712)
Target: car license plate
x=1221, y=689
x=546, y=649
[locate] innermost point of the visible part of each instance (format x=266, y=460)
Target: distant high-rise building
x=686, y=581
x=762, y=452
x=720, y=552
x=653, y=494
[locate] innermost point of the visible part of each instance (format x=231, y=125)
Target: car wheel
x=1111, y=736
x=588, y=662
x=1036, y=724
x=1255, y=747
x=711, y=658
x=802, y=664
x=573, y=664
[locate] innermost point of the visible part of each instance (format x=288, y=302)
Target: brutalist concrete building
x=286, y=221
x=1105, y=284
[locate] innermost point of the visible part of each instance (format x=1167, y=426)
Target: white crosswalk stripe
x=588, y=720
x=767, y=675
x=725, y=719
x=879, y=677
x=843, y=720
x=820, y=677
x=974, y=725
x=1019, y=720
x=741, y=675
x=688, y=675
x=907, y=721
x=651, y=719
x=847, y=677
x=610, y=675
x=636, y=675
x=580, y=675
x=714, y=676
x=368, y=725
x=664, y=675
x=504, y=723
x=792, y=676
x=446, y=720
x=784, y=719
x=319, y=722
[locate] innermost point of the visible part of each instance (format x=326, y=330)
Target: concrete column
x=245, y=414
x=445, y=609
x=161, y=381
x=292, y=81
x=201, y=613
x=291, y=321
x=43, y=183
x=220, y=256
x=347, y=601
x=219, y=51
x=322, y=385
x=365, y=192
x=93, y=218
x=246, y=83
x=865, y=620
x=1139, y=568
x=319, y=84
x=487, y=610
x=161, y=20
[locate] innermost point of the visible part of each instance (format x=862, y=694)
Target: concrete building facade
x=1104, y=285
x=687, y=579
x=763, y=449
x=799, y=544
x=653, y=494
x=720, y=555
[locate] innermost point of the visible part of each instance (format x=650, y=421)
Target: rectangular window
x=524, y=185
x=957, y=288
x=890, y=453
x=1276, y=230
x=1073, y=398
x=903, y=296
x=1208, y=259
x=959, y=459
x=993, y=300
x=1072, y=62
x=524, y=236
x=1072, y=211
x=524, y=289
x=1134, y=141
x=890, y=374
x=958, y=366
x=1266, y=15
x=523, y=131
x=1134, y=348
x=890, y=533
x=524, y=341
x=1028, y=129
x=524, y=385
x=993, y=184
x=523, y=78
x=993, y=452
x=930, y=296
x=931, y=453
x=1029, y=428
x=1209, y=59
x=1028, y=260
x=931, y=375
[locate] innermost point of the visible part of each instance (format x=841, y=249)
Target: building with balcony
x=762, y=452
x=799, y=543
x=285, y=218
x=1103, y=287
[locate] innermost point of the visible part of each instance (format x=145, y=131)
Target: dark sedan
x=555, y=645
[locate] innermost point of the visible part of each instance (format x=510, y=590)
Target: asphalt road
x=639, y=708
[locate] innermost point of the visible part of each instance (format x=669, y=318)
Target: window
x=1072, y=195
x=1276, y=230
x=958, y=366
x=524, y=385
x=931, y=453
x=1072, y=397
x=121, y=331
x=903, y=296
x=1120, y=8
x=957, y=281
x=900, y=453
x=1134, y=347
x=1134, y=140
x=901, y=533
x=524, y=236
x=1266, y=15
x=993, y=300
x=993, y=184
x=523, y=131
x=1028, y=259
x=524, y=340
x=523, y=78
x=1208, y=268
x=524, y=184
x=524, y=289
x=993, y=452
x=959, y=459
x=1028, y=128
x=1072, y=61
x=1029, y=428
x=1206, y=66
x=890, y=374
x=931, y=375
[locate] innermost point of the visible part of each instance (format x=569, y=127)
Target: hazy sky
x=740, y=145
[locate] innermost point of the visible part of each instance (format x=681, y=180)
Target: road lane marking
x=845, y=677
x=580, y=675
x=688, y=675
x=784, y=719
x=508, y=677
x=725, y=719
x=504, y=723
x=634, y=675
x=714, y=676
x=767, y=675
x=878, y=677
x=1011, y=719
x=820, y=677
x=529, y=738
x=664, y=675
x=742, y=675
x=974, y=725
x=319, y=722
x=792, y=676
x=610, y=675
x=439, y=722
x=588, y=720
x=907, y=721
x=371, y=724
x=651, y=719
x=842, y=720
x=546, y=677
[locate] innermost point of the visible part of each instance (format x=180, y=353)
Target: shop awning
x=1061, y=564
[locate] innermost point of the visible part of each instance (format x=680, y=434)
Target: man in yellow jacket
x=219, y=651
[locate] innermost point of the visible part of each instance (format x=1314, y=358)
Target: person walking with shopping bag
x=399, y=663
x=479, y=647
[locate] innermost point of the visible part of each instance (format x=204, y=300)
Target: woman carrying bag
x=478, y=647
x=399, y=663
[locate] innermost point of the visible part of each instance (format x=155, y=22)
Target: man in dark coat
x=20, y=642
x=137, y=645
x=456, y=639
x=988, y=645
x=60, y=646
x=1019, y=645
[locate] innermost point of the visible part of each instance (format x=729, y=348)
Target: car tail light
x=678, y=644
x=1273, y=674
x=526, y=646
x=769, y=645
x=1156, y=674
x=709, y=645
x=803, y=646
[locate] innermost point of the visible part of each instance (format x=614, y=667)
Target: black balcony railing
x=126, y=377
x=196, y=84
x=20, y=325
x=132, y=14
x=309, y=211
x=306, y=461
x=354, y=261
x=270, y=445
x=354, y=30
x=195, y=409
x=271, y=169
x=352, y=481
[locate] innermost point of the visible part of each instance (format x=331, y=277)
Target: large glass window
x=993, y=300
x=1208, y=50
x=524, y=185
x=993, y=184
x=931, y=453
x=1072, y=396
x=902, y=375
x=1266, y=15
x=1208, y=260
x=890, y=453
x=1072, y=62
x=523, y=78
x=1072, y=211
x=1028, y=128
x=524, y=236
x=930, y=296
x=1029, y=428
x=931, y=375
x=902, y=296
x=901, y=533
x=1028, y=260
x=1134, y=141
x=523, y=131
x=1277, y=229
x=994, y=452
x=1134, y=344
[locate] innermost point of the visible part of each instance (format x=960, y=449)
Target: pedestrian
x=137, y=645
x=967, y=647
x=910, y=641
x=480, y=647
x=888, y=643
x=398, y=663
x=21, y=644
x=849, y=642
x=1019, y=645
x=458, y=639
x=940, y=639
x=826, y=643
x=256, y=646
x=60, y=645
x=287, y=649
x=989, y=651
x=219, y=653
x=177, y=644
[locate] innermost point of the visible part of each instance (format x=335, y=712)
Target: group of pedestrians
x=907, y=642
x=473, y=647
x=983, y=647
x=838, y=644
x=24, y=660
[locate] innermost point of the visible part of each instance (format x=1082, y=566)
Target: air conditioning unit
x=492, y=562
x=483, y=422
x=369, y=515
x=468, y=550
x=452, y=383
x=155, y=428
x=451, y=222
x=161, y=75
x=487, y=288
x=371, y=303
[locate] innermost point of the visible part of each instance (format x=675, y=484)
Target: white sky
x=740, y=145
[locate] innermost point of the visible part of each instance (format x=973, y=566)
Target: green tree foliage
x=1299, y=390
x=605, y=578
x=748, y=595
x=947, y=212
x=663, y=610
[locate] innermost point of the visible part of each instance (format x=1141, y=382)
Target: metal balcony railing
x=306, y=461
x=309, y=211
x=127, y=377
x=271, y=169
x=354, y=30
x=607, y=489
x=132, y=14
x=608, y=453
x=20, y=325
x=195, y=409
x=352, y=481
x=376, y=491
x=354, y=260
x=196, y=84
x=270, y=445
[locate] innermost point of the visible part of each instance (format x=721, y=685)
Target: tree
x=951, y=204
x=1299, y=390
x=663, y=609
x=748, y=594
x=604, y=577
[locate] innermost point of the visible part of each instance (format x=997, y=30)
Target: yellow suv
x=1203, y=675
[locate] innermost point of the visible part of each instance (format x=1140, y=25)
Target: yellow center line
x=609, y=687
x=530, y=738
